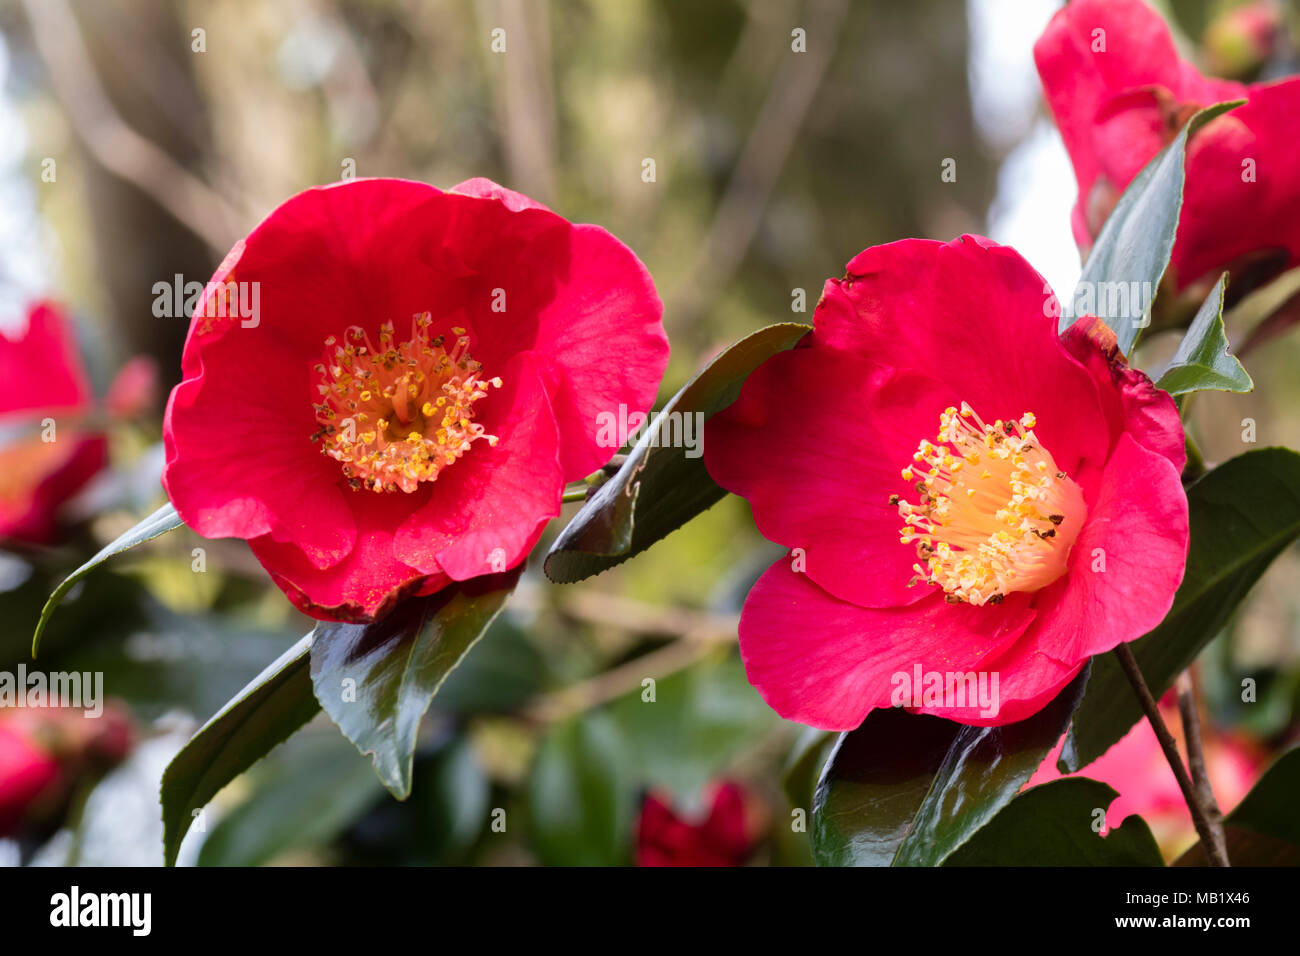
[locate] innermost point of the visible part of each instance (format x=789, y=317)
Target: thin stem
x=1196, y=760
x=1199, y=816
x=575, y=494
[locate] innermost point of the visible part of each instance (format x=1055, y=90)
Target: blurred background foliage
x=771, y=170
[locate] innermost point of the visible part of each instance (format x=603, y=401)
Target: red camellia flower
x=1035, y=480
x=387, y=386
x=46, y=451
x=720, y=839
x=1120, y=93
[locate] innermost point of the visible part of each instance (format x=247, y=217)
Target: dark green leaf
x=303, y=796
x=909, y=790
x=659, y=488
x=377, y=680
x=275, y=704
x=1053, y=825
x=160, y=522
x=1270, y=805
x=873, y=785
x=1135, y=243
x=581, y=795
x=1202, y=360
x=1243, y=515
x=1264, y=830
x=983, y=771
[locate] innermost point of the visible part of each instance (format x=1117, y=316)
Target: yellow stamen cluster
x=397, y=415
x=995, y=515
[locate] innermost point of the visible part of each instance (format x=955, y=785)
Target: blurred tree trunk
x=140, y=52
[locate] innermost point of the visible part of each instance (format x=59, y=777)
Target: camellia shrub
x=997, y=552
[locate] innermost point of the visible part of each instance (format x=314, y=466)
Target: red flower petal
x=1137, y=531
x=41, y=368
x=37, y=477
x=598, y=327
x=816, y=442
x=1228, y=215
x=828, y=663
x=1131, y=401
x=486, y=513
x=977, y=317
x=240, y=460
x=366, y=582
x=42, y=376
x=26, y=773
x=721, y=839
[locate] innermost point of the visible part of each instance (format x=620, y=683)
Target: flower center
x=996, y=514
x=399, y=414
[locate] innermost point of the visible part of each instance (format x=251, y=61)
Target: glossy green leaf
x=909, y=790
x=873, y=785
x=105, y=608
x=581, y=795
x=1053, y=825
x=1264, y=829
x=377, y=680
x=1203, y=360
x=659, y=488
x=1135, y=243
x=273, y=705
x=982, y=772
x=1243, y=515
x=159, y=523
x=303, y=796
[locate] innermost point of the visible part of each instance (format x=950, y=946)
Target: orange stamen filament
x=996, y=514
x=397, y=415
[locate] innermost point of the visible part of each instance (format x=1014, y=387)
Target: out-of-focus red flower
x=722, y=838
x=1138, y=771
x=1120, y=93
x=44, y=751
x=424, y=373
x=967, y=491
x=134, y=389
x=26, y=773
x=44, y=395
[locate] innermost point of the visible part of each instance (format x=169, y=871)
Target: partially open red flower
x=1120, y=93
x=386, y=386
x=47, y=452
x=964, y=491
x=721, y=838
